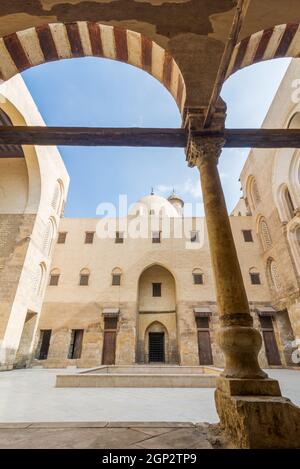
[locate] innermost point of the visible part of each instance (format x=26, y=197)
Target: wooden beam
x=239, y=16
x=136, y=137
x=90, y=136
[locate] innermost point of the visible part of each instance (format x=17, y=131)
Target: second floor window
x=54, y=279
x=156, y=237
x=61, y=237
x=198, y=278
x=255, y=278
x=116, y=279
x=156, y=289
x=248, y=238
x=89, y=237
x=84, y=279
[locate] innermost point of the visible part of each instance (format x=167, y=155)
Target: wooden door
x=204, y=344
x=271, y=348
x=109, y=348
x=45, y=343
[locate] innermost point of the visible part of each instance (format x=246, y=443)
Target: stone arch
x=27, y=157
x=156, y=327
x=253, y=195
x=279, y=41
x=293, y=235
x=285, y=203
x=34, y=46
x=294, y=177
x=160, y=309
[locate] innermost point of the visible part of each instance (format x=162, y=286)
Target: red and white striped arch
x=280, y=41
x=34, y=46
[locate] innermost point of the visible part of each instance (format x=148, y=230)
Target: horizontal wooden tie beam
x=137, y=137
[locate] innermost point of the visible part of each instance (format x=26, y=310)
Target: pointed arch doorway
x=157, y=322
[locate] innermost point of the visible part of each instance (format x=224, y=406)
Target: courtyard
x=30, y=396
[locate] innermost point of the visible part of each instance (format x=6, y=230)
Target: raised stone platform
x=142, y=376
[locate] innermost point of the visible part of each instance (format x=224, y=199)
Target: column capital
x=201, y=149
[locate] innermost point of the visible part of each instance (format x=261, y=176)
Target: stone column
x=237, y=337
x=249, y=405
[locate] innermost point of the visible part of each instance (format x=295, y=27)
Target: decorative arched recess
x=294, y=178
x=293, y=235
x=273, y=275
x=34, y=46
x=253, y=195
x=277, y=42
x=285, y=204
x=262, y=229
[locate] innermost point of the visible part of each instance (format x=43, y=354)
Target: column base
x=259, y=419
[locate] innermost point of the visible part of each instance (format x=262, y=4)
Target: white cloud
x=189, y=187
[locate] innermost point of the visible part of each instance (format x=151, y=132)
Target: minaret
x=177, y=202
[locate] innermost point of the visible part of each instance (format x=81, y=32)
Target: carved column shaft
x=238, y=339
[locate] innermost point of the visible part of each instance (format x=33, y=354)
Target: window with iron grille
x=61, y=237
x=119, y=239
x=255, y=278
x=89, y=237
x=156, y=237
x=54, y=279
x=248, y=238
x=156, y=289
x=198, y=279
x=84, y=280
x=116, y=279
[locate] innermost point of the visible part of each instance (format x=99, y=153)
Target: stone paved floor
x=30, y=396
x=147, y=435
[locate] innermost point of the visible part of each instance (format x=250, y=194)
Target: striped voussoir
x=272, y=43
x=54, y=41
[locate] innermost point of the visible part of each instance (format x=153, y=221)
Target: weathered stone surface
x=259, y=422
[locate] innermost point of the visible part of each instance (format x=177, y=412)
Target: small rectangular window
x=110, y=323
x=156, y=236
x=266, y=322
x=248, y=238
x=119, y=237
x=194, y=237
x=202, y=322
x=61, y=237
x=156, y=289
x=75, y=344
x=89, y=237
x=198, y=279
x=116, y=279
x=84, y=280
x=255, y=279
x=54, y=279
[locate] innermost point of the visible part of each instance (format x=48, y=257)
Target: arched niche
x=157, y=305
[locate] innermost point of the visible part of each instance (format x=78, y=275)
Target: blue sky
x=104, y=93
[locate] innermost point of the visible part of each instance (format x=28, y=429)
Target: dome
x=177, y=202
x=153, y=205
